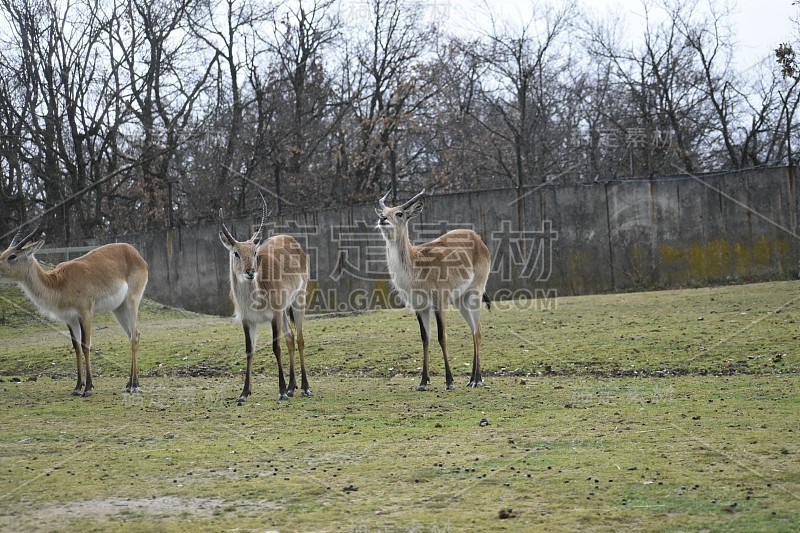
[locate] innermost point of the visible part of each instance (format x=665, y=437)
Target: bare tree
x=382, y=82
x=123, y=115
x=32, y=95
x=457, y=158
x=229, y=28
x=656, y=117
x=523, y=93
x=786, y=57
x=709, y=38
x=12, y=174
x=298, y=104
x=160, y=64
x=59, y=74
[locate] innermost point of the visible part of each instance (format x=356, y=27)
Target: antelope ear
x=415, y=209
x=31, y=248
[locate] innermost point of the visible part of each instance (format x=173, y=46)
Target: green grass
x=724, y=330
x=674, y=410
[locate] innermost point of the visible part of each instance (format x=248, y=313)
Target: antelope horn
x=382, y=201
x=16, y=236
x=410, y=202
x=15, y=243
x=264, y=214
x=225, y=229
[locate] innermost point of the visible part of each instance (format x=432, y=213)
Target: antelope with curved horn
x=451, y=268
x=109, y=278
x=268, y=284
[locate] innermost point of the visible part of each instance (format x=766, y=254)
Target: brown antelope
x=452, y=268
x=109, y=278
x=268, y=284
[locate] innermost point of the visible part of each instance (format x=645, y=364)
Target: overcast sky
x=759, y=25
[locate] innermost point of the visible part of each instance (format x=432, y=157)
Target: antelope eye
x=12, y=257
x=399, y=214
x=236, y=255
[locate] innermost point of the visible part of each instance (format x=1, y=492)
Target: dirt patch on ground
x=56, y=515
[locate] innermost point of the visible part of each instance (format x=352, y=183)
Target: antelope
x=452, y=268
x=109, y=278
x=268, y=284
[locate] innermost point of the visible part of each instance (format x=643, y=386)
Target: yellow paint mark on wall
x=670, y=254
x=762, y=251
x=719, y=259
x=742, y=259
x=312, y=290
x=381, y=290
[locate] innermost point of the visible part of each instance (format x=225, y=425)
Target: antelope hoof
x=87, y=393
x=451, y=386
x=422, y=388
x=307, y=393
x=133, y=390
x=290, y=392
x=76, y=392
x=241, y=399
x=283, y=396
x=475, y=384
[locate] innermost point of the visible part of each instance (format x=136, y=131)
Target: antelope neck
x=402, y=245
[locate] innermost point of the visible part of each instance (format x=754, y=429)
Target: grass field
x=673, y=410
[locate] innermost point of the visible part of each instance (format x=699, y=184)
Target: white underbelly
x=111, y=301
x=252, y=316
x=460, y=290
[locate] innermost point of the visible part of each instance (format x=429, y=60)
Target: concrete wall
x=546, y=241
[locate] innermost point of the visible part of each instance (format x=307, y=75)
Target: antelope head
x=394, y=220
x=244, y=254
x=16, y=260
